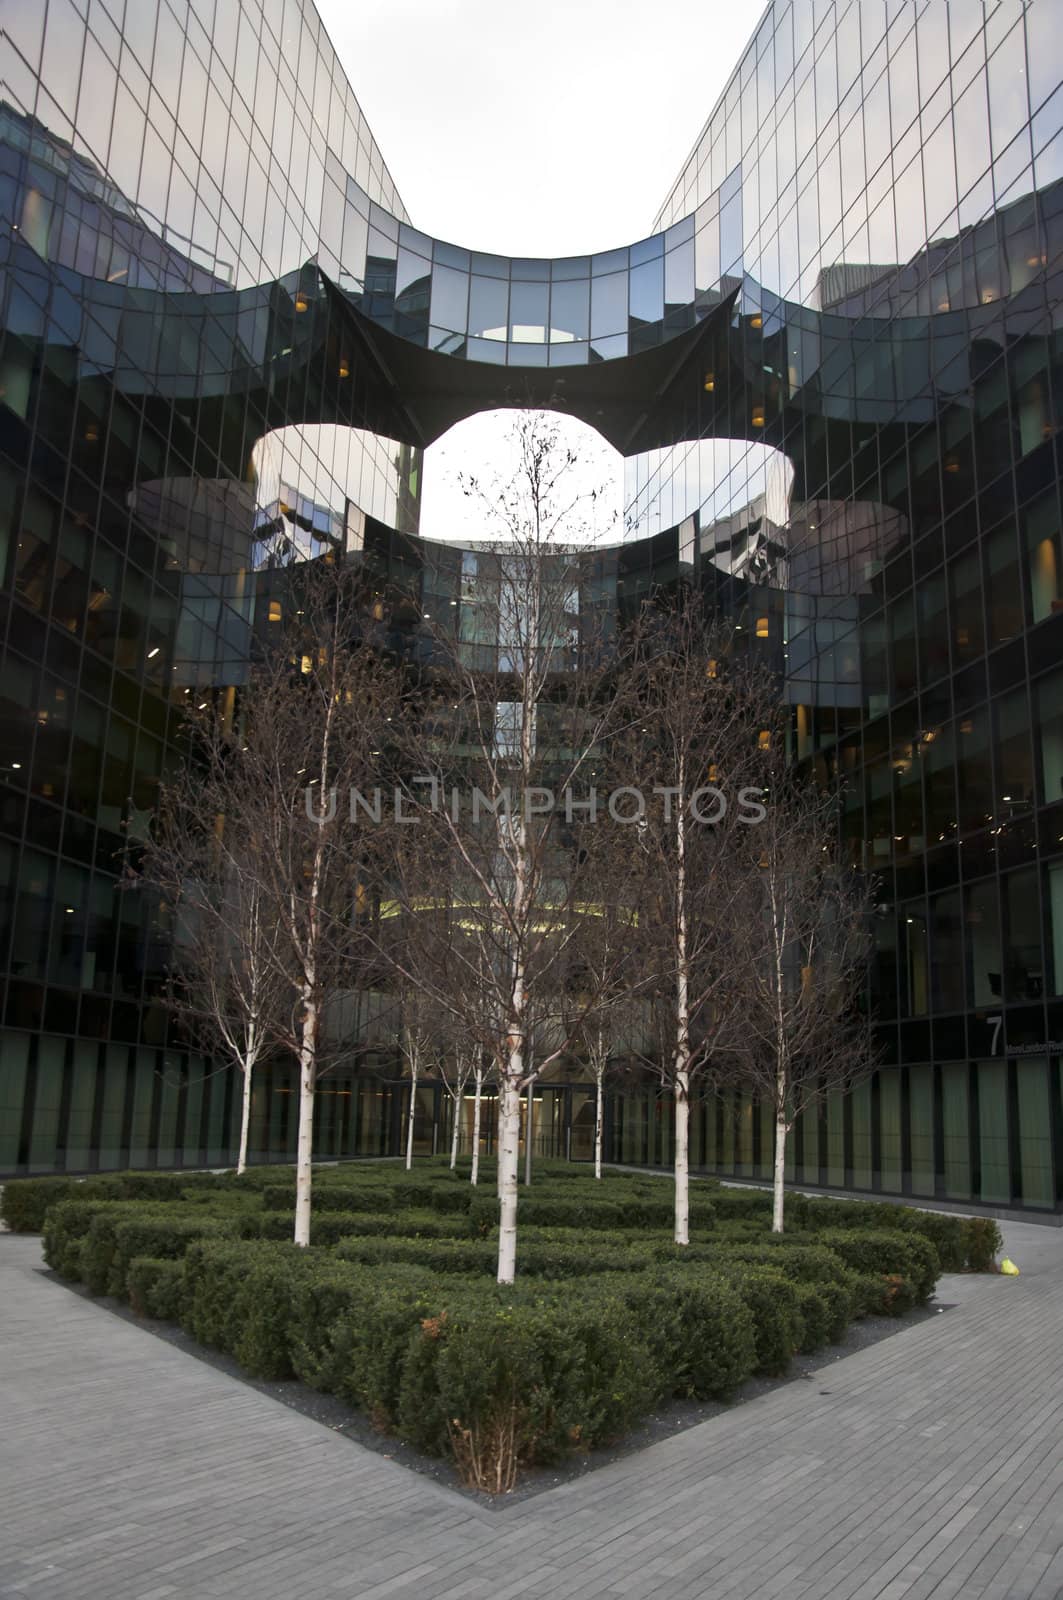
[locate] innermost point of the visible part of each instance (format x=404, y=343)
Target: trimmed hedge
x=541, y=1253
x=701, y=1329
x=329, y=1227
x=590, y=1214
x=96, y=1241
x=778, y=1331
x=962, y=1243
x=65, y=1225
x=25, y=1201
x=119, y=1232
x=156, y=1287
x=498, y=1378
x=888, y=1255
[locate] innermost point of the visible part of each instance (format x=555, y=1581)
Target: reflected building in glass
x=833, y=368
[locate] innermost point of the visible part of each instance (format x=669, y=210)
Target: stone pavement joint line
x=932, y=1469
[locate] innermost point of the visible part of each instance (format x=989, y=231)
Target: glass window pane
x=569, y=310
x=983, y=944
x=1004, y=587
x=527, y=312
x=707, y=255
x=1023, y=954
x=921, y=1129
x=609, y=305
x=679, y=275
x=1054, y=895
x=889, y=1130
x=993, y=1131
x=12, y=1089
x=807, y=1126
x=412, y=272
x=836, y=1140
x=79, y=1119
x=1043, y=556
x=450, y=299
x=956, y=1131
x=488, y=307
x=1048, y=701
x=647, y=292
x=111, y=1113
x=1035, y=1133
x=1014, y=753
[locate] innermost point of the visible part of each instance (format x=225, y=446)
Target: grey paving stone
x=933, y=1469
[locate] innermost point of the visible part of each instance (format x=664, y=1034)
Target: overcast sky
x=533, y=127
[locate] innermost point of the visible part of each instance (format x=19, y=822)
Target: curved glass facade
x=834, y=369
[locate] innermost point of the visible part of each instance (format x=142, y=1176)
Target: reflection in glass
x=488, y=307
x=527, y=312
x=450, y=299
x=609, y=305
x=569, y=310
x=647, y=292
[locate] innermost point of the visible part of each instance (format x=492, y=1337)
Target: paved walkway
x=933, y=1466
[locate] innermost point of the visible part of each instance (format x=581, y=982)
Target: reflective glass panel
x=450, y=298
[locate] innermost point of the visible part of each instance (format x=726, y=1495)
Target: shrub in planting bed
x=908, y=1256
x=329, y=1227
x=155, y=1287
x=66, y=1224
x=394, y=1307
x=25, y=1201
x=503, y=1377
x=701, y=1328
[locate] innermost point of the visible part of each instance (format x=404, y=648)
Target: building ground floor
x=988, y=1131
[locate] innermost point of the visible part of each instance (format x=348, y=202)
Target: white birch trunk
x=413, y=1110
x=508, y=1162
x=456, y=1130
x=779, y=1182
x=682, y=1156
x=305, y=1147
x=780, y=930
x=682, y=1040
x=476, y=1104
x=245, y=1116
x=598, y=1127
x=529, y=1124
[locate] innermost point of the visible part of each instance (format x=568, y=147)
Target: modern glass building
x=834, y=368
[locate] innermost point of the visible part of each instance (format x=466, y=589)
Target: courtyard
x=930, y=1464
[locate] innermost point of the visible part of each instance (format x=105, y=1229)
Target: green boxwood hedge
x=402, y=1317
x=329, y=1227
x=888, y=1255
x=25, y=1201
x=156, y=1286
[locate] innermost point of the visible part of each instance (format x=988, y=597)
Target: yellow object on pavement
x=1008, y=1268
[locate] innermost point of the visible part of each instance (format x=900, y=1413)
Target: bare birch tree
x=421, y=1050
x=223, y=985
x=803, y=939
x=455, y=1071
x=511, y=721
x=314, y=719
x=607, y=968
x=695, y=718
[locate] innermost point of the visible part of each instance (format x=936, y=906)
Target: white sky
x=545, y=128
